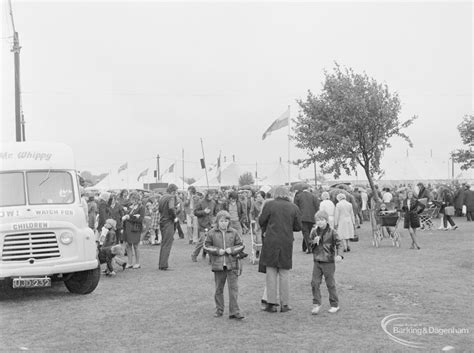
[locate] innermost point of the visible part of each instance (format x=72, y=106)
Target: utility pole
x=19, y=121
x=158, y=168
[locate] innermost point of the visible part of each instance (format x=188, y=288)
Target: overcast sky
x=124, y=81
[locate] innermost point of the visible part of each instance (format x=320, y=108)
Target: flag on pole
x=142, y=174
x=123, y=167
x=282, y=121
x=219, y=174
x=169, y=170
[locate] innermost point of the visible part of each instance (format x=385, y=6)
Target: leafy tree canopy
x=466, y=156
x=349, y=123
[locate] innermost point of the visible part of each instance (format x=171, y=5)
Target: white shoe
x=136, y=266
x=315, y=310
x=334, y=309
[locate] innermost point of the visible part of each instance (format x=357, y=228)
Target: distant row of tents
x=135, y=177
x=403, y=169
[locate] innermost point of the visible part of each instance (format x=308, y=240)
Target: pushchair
x=256, y=247
x=428, y=214
x=385, y=225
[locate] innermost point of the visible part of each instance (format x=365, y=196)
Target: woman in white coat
x=344, y=221
x=328, y=206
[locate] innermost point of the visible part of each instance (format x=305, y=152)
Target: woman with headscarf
x=412, y=208
x=328, y=206
x=344, y=220
x=133, y=226
x=278, y=220
x=104, y=209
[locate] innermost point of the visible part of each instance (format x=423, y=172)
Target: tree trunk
x=375, y=195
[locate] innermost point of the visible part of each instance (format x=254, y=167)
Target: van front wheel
x=83, y=282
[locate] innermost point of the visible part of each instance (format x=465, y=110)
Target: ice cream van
x=44, y=235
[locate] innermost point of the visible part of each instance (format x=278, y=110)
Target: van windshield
x=12, y=189
x=48, y=187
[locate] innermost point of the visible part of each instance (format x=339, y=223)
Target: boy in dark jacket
x=325, y=245
x=223, y=244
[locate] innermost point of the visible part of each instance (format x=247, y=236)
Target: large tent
x=280, y=176
x=230, y=174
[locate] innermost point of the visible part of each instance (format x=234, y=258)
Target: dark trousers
x=447, y=219
x=167, y=234
x=470, y=215
x=306, y=230
x=233, y=286
x=180, y=230
x=327, y=269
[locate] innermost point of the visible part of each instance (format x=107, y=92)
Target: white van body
x=44, y=233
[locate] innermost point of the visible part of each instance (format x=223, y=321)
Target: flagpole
x=174, y=172
x=157, y=168
x=220, y=170
x=256, y=173
x=183, y=168
x=205, y=167
x=289, y=121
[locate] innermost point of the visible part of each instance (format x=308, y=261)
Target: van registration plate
x=31, y=282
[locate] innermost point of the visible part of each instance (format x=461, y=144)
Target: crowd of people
x=217, y=220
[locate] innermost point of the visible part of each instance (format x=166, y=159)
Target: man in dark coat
x=168, y=220
x=459, y=200
x=469, y=202
x=205, y=212
x=423, y=192
x=279, y=219
x=308, y=204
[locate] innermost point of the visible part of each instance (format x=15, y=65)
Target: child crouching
x=107, y=254
x=325, y=244
x=223, y=244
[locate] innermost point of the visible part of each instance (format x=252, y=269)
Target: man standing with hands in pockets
x=204, y=212
x=168, y=219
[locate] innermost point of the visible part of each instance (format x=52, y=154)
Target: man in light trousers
x=278, y=220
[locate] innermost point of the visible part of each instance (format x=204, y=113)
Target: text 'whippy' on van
x=44, y=235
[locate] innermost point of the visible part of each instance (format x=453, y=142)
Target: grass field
x=172, y=311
